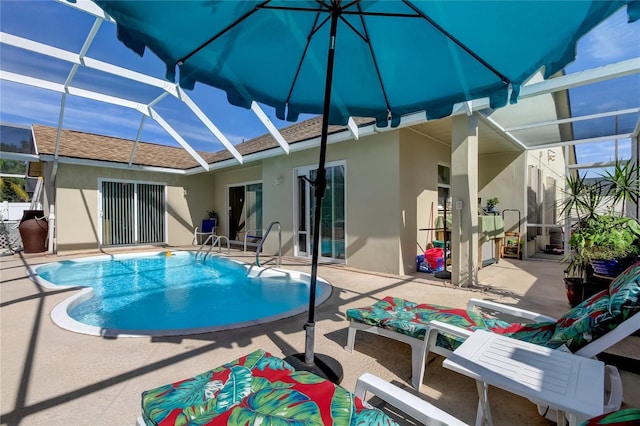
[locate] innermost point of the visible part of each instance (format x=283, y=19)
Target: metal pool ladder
x=266, y=234
x=216, y=240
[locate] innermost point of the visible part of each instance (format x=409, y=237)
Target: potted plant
x=580, y=200
x=210, y=224
x=601, y=236
x=611, y=244
x=212, y=214
x=492, y=203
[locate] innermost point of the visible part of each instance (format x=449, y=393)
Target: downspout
x=52, y=226
x=52, y=246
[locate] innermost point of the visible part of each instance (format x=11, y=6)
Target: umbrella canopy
x=391, y=57
x=380, y=59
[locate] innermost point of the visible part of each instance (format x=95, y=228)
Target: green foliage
x=598, y=236
x=608, y=237
x=492, y=202
x=212, y=214
x=12, y=189
x=624, y=183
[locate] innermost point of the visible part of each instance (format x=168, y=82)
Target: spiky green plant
x=623, y=182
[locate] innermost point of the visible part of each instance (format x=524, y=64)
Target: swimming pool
x=169, y=294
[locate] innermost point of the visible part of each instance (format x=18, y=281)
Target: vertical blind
x=132, y=213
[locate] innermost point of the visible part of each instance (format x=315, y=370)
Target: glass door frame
x=227, y=222
x=309, y=194
x=134, y=213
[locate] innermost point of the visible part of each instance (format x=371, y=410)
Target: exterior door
x=132, y=213
x=245, y=211
x=332, y=221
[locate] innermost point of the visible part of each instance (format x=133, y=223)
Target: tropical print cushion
x=584, y=323
x=412, y=319
x=627, y=416
x=624, y=291
x=256, y=389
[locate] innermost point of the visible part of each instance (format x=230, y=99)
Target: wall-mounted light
x=551, y=155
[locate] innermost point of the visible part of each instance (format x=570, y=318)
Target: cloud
x=603, y=151
x=612, y=41
x=30, y=105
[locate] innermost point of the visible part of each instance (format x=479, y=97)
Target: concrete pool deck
x=51, y=376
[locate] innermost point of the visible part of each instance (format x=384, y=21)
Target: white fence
x=12, y=212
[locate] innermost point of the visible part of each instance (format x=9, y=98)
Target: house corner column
x=464, y=200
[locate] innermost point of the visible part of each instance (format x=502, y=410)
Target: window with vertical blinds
x=132, y=213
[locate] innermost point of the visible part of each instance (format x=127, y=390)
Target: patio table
x=569, y=383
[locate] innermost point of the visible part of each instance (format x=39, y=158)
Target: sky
x=57, y=24
x=21, y=104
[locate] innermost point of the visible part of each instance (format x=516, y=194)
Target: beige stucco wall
x=418, y=171
x=250, y=172
x=372, y=208
x=505, y=176
x=77, y=203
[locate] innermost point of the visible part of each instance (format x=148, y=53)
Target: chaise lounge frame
x=419, y=409
x=420, y=348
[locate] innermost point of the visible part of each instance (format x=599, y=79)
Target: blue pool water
x=176, y=294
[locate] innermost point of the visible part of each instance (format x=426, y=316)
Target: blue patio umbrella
x=380, y=59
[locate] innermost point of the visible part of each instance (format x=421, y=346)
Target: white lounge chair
x=259, y=386
x=587, y=329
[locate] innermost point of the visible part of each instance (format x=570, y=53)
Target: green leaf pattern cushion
x=581, y=325
x=257, y=389
x=584, y=323
x=413, y=319
x=624, y=292
x=626, y=416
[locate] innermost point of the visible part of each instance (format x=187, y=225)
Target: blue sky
x=22, y=104
x=612, y=41
x=57, y=24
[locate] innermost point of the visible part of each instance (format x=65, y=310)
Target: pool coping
x=60, y=316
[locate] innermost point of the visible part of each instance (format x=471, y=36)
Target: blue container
x=421, y=264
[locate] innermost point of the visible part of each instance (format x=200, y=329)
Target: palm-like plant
x=624, y=184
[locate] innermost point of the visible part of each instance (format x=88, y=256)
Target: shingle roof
x=297, y=132
x=89, y=146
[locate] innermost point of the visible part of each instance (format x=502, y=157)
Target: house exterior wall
x=76, y=202
x=505, y=176
x=251, y=172
x=372, y=199
x=418, y=171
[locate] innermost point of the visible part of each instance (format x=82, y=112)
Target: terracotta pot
x=575, y=288
x=34, y=230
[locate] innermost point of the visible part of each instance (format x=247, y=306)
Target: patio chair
x=201, y=234
x=263, y=388
x=586, y=330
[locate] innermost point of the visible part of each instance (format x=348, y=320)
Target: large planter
x=579, y=290
x=575, y=289
x=34, y=230
x=607, y=268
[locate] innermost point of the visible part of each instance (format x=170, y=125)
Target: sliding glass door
x=132, y=213
x=245, y=211
x=332, y=220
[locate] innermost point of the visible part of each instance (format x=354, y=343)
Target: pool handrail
x=266, y=234
x=215, y=241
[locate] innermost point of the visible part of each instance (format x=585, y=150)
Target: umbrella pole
x=320, y=364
